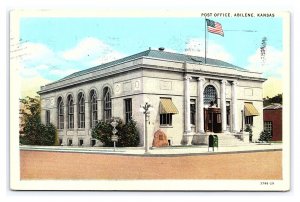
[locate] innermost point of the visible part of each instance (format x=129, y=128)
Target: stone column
x=234, y=106
x=200, y=104
x=87, y=117
x=223, y=105
x=187, y=115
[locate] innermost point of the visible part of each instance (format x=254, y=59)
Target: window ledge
x=165, y=126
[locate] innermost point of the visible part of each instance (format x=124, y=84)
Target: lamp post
x=114, y=137
x=145, y=109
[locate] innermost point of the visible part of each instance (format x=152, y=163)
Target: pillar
x=223, y=105
x=187, y=114
x=200, y=104
x=234, y=106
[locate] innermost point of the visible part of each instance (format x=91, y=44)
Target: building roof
x=273, y=106
x=157, y=54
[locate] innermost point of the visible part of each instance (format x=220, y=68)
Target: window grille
x=81, y=111
x=107, y=104
x=70, y=112
x=60, y=113
x=47, y=117
x=210, y=95
x=193, y=112
x=128, y=109
x=268, y=126
x=94, y=109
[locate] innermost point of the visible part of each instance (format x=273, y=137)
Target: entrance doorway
x=212, y=120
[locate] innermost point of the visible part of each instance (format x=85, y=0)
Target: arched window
x=94, y=108
x=210, y=95
x=60, y=109
x=70, y=112
x=81, y=111
x=107, y=104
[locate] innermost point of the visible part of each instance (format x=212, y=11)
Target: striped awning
x=250, y=110
x=167, y=106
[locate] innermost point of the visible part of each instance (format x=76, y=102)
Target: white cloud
x=196, y=47
x=106, y=58
x=62, y=72
x=273, y=64
x=92, y=51
x=34, y=51
x=272, y=69
x=38, y=64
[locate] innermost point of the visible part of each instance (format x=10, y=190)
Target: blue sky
x=56, y=47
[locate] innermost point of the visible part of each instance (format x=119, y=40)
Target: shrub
x=127, y=133
x=265, y=136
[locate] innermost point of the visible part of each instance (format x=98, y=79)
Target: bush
x=127, y=133
x=249, y=129
x=36, y=133
x=265, y=136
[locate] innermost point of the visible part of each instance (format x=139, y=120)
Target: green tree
x=128, y=135
x=276, y=99
x=34, y=132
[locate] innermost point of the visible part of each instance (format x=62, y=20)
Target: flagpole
x=205, y=27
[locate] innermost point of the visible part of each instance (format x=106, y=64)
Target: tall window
x=210, y=95
x=268, y=127
x=107, y=104
x=193, y=111
x=70, y=112
x=94, y=108
x=60, y=109
x=81, y=110
x=128, y=109
x=47, y=117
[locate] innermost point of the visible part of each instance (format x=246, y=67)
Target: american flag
x=214, y=27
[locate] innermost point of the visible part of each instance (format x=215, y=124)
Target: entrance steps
x=224, y=139
x=231, y=139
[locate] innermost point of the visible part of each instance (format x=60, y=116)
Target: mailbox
x=213, y=141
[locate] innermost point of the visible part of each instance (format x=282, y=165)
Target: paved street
x=79, y=165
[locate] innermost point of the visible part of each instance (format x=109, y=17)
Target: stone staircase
x=230, y=139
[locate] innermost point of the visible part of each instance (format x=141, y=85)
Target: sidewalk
x=163, y=151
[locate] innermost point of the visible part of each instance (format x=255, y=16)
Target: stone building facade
x=191, y=99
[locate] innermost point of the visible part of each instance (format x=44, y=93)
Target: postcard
x=138, y=100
